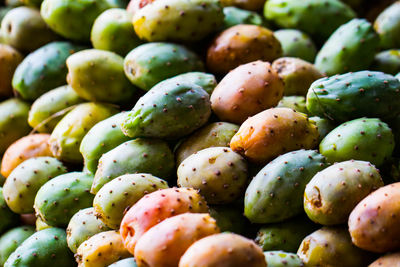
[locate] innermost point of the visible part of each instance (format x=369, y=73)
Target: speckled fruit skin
x=324, y=125
x=223, y=250
x=245, y=4
x=164, y=244
x=282, y=259
x=242, y=44
x=235, y=16
x=387, y=61
x=387, y=25
x=128, y=262
x=156, y=207
x=297, y=103
x=206, y=81
x=389, y=260
x=12, y=239
x=8, y=217
x=372, y=223
x=333, y=193
x=10, y=58
x=246, y=91
x=297, y=44
x=273, y=132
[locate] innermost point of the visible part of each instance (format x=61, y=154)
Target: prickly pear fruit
x=235, y=16
x=168, y=111
x=297, y=103
x=154, y=22
x=246, y=4
x=326, y=246
x=325, y=126
x=229, y=218
x=242, y=44
x=351, y=47
x=10, y=59
x=282, y=259
x=69, y=132
x=83, y=225
x=354, y=95
x=2, y=180
x=26, y=179
x=50, y=107
x=387, y=61
x=389, y=260
x=35, y=145
x=296, y=74
x=12, y=239
x=387, y=25
x=164, y=244
x=117, y=196
x=156, y=207
x=206, y=81
x=8, y=218
x=246, y=91
x=136, y=156
x=151, y=63
x=297, y=44
x=13, y=122
x=273, y=132
x=333, y=193
x=223, y=250
x=41, y=225
x=363, y=139
x=218, y=173
x=128, y=262
x=44, y=248
x=101, y=249
x=276, y=192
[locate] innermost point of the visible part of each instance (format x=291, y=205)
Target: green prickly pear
x=129, y=262
x=8, y=218
x=297, y=103
x=235, y=16
x=325, y=126
x=41, y=225
x=296, y=43
x=387, y=25
x=282, y=259
x=229, y=218
x=206, y=81
x=12, y=239
x=387, y=61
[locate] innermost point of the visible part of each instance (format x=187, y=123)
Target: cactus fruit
x=218, y=173
x=206, y=81
x=8, y=218
x=333, y=193
x=176, y=23
x=128, y=262
x=273, y=132
x=235, y=16
x=10, y=59
x=373, y=222
x=242, y=44
x=26, y=179
x=117, y=196
x=282, y=259
x=325, y=126
x=387, y=25
x=276, y=192
x=229, y=218
x=50, y=107
x=164, y=244
x=350, y=48
x=41, y=225
x=69, y=132
x=297, y=44
x=297, y=103
x=151, y=63
x=155, y=207
x=83, y=225
x=246, y=91
x=389, y=260
x=136, y=156
x=223, y=250
x=168, y=111
x=12, y=239
x=355, y=95
x=363, y=139
x=387, y=61
x=297, y=74
x=2, y=180
x=246, y=4
x=44, y=248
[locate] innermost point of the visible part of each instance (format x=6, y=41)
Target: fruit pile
x=200, y=133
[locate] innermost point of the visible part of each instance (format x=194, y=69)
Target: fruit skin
x=218, y=173
x=282, y=259
x=387, y=61
x=10, y=59
x=8, y=217
x=56, y=101
x=387, y=25
x=24, y=29
x=212, y=135
x=151, y=63
x=136, y=156
x=297, y=44
x=297, y=103
x=325, y=246
x=246, y=5
x=229, y=218
x=223, y=250
x=389, y=260
x=276, y=192
x=164, y=244
x=113, y=31
x=235, y=16
x=100, y=139
x=363, y=139
x=168, y=111
x=13, y=125
x=117, y=196
x=246, y=91
x=206, y=81
x=297, y=74
x=155, y=207
x=12, y=239
x=273, y=132
x=354, y=95
x=325, y=126
x=129, y=262
x=83, y=225
x=43, y=70
x=350, y=48
x=242, y=44
x=372, y=225
x=67, y=136
x=44, y=248
x=26, y=179
x=156, y=23
x=333, y=193
x=314, y=17
x=41, y=225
